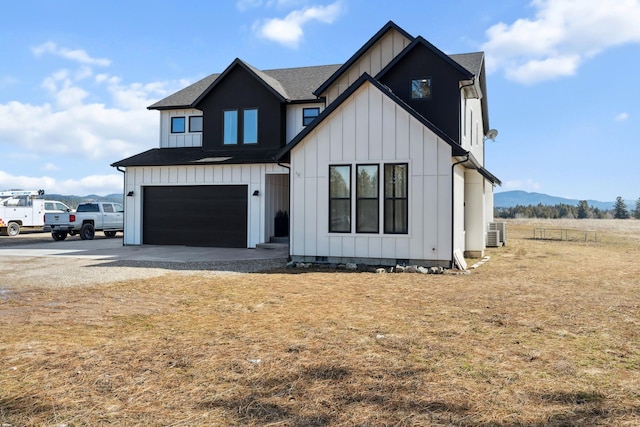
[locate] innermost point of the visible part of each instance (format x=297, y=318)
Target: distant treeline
x=581, y=210
x=74, y=201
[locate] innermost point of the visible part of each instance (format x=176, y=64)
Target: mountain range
x=73, y=201
x=509, y=199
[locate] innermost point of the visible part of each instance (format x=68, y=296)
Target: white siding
x=294, y=118
x=371, y=128
x=472, y=128
x=178, y=140
x=371, y=62
x=272, y=193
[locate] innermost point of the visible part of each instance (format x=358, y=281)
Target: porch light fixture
x=130, y=194
x=256, y=193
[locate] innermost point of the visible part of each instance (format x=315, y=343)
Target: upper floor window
x=177, y=125
x=195, y=123
x=421, y=88
x=250, y=126
x=308, y=114
x=230, y=127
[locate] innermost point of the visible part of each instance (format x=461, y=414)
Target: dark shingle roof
x=293, y=84
x=471, y=61
x=196, y=156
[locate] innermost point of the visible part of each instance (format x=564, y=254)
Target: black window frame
x=360, y=210
x=175, y=120
x=224, y=127
x=421, y=98
x=333, y=199
x=243, y=126
x=191, y=124
x=307, y=119
x=391, y=201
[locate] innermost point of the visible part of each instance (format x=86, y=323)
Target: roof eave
x=377, y=36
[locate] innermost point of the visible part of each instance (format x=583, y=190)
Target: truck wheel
x=13, y=229
x=110, y=233
x=87, y=232
x=59, y=235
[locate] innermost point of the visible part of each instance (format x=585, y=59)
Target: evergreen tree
x=636, y=213
x=583, y=209
x=620, y=209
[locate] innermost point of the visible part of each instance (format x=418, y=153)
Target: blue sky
x=76, y=78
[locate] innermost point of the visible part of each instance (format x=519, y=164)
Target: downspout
x=453, y=205
x=289, y=207
x=124, y=198
x=453, y=169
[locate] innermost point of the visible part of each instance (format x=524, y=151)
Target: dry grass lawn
x=546, y=333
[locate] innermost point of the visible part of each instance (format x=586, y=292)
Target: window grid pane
x=195, y=124
x=396, y=212
x=308, y=114
x=177, y=124
x=340, y=199
x=367, y=205
x=250, y=126
x=230, y=127
x=421, y=88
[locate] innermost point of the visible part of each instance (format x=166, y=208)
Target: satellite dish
x=492, y=134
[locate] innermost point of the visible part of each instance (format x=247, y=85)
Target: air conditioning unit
x=493, y=238
x=502, y=228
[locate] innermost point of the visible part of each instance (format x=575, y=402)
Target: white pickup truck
x=86, y=220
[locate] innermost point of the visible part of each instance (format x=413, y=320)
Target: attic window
x=421, y=88
x=308, y=114
x=177, y=124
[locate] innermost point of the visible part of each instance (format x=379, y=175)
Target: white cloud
x=289, y=30
x=621, y=117
x=77, y=55
x=94, y=184
x=50, y=167
x=563, y=35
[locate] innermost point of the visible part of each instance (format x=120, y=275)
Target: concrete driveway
x=102, y=248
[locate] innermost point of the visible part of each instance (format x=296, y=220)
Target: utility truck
x=86, y=220
x=25, y=209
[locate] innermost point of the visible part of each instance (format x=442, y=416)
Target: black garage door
x=195, y=216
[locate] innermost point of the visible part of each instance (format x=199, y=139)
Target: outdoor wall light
x=256, y=193
x=130, y=194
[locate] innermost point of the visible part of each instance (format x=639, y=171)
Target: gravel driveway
x=34, y=260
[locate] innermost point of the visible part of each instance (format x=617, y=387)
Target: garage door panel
x=195, y=215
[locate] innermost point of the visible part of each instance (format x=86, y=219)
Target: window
x=308, y=114
x=367, y=206
x=195, y=124
x=177, y=124
x=230, y=127
x=396, y=204
x=421, y=88
x=107, y=207
x=250, y=126
x=340, y=199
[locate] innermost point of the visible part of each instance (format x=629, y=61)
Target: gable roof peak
x=373, y=40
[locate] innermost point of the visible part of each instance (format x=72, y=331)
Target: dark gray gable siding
x=283, y=153
x=237, y=90
x=422, y=59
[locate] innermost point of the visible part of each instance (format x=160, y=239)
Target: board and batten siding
x=178, y=140
x=294, y=118
x=370, y=128
x=372, y=62
x=252, y=175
